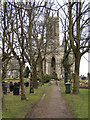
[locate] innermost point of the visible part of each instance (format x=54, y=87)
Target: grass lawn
x=15, y=108
x=77, y=102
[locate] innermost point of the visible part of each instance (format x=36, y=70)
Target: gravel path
x=52, y=107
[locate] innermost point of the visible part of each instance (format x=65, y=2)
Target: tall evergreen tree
x=26, y=72
x=65, y=61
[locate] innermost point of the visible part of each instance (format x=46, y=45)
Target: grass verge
x=15, y=108
x=77, y=102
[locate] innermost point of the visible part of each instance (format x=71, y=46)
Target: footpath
x=52, y=107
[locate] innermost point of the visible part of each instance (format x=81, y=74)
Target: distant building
x=13, y=68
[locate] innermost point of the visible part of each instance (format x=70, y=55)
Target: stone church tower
x=55, y=51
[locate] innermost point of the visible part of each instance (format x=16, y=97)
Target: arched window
x=53, y=62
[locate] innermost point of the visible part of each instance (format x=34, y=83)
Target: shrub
x=47, y=78
x=83, y=78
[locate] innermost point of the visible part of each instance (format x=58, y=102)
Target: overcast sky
x=84, y=63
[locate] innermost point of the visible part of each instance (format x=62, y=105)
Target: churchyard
x=43, y=43
x=15, y=108
x=13, y=105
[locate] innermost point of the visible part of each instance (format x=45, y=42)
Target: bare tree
x=13, y=37
x=5, y=50
x=77, y=35
x=76, y=13
x=37, y=47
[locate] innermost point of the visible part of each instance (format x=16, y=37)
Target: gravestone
x=11, y=86
x=18, y=84
x=4, y=87
x=27, y=84
x=31, y=86
x=16, y=89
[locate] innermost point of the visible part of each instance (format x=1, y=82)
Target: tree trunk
x=76, y=79
x=88, y=80
x=1, y=90
x=42, y=78
x=45, y=66
x=40, y=65
x=34, y=74
x=4, y=70
x=41, y=74
x=31, y=86
x=23, y=97
x=65, y=75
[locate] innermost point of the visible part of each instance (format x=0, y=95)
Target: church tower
x=52, y=30
x=55, y=52
x=52, y=58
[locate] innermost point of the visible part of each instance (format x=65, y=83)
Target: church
x=52, y=63
x=53, y=59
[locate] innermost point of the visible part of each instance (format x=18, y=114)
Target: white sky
x=84, y=65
